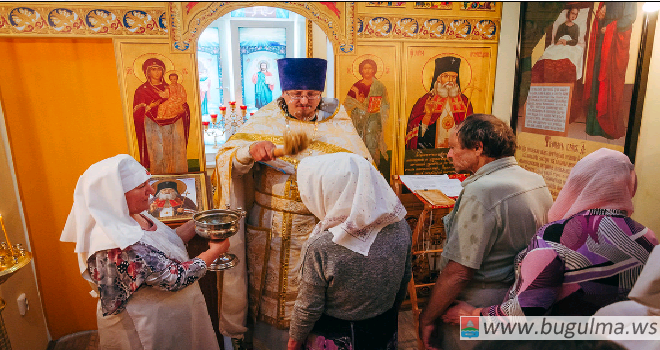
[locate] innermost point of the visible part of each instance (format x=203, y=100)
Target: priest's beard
x=167, y=196
x=447, y=90
x=305, y=115
x=285, y=108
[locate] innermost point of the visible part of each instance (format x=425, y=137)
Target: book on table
x=437, y=190
x=435, y=197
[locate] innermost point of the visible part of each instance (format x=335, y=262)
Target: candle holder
x=223, y=119
x=233, y=121
x=211, y=129
x=12, y=259
x=244, y=113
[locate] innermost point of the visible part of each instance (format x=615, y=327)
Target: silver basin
x=217, y=224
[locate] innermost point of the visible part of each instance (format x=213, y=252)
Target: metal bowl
x=217, y=224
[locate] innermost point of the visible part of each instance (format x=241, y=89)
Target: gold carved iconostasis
x=386, y=55
x=178, y=55
x=408, y=40
x=388, y=85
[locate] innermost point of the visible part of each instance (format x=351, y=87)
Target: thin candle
x=11, y=249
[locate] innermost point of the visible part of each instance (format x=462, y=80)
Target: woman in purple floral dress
x=588, y=256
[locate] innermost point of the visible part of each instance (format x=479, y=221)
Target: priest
x=278, y=223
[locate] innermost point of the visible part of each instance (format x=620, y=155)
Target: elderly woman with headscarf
x=148, y=294
x=588, y=256
x=356, y=264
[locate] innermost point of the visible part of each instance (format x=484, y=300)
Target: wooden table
x=427, y=238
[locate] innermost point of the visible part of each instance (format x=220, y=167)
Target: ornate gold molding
x=463, y=29
x=183, y=22
x=83, y=19
x=187, y=20
x=310, y=39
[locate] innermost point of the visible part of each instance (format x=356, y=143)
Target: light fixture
x=651, y=6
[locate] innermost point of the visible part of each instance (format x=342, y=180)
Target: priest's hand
x=262, y=151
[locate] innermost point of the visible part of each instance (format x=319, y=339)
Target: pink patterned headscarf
x=604, y=179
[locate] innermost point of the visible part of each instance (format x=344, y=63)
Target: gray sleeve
x=407, y=273
x=574, y=32
x=309, y=306
x=561, y=31
x=310, y=302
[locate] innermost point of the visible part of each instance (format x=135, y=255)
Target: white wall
x=647, y=162
x=505, y=71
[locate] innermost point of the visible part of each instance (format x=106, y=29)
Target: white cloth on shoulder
x=645, y=301
x=350, y=197
x=165, y=239
x=99, y=218
x=646, y=290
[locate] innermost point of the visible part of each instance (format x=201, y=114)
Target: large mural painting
x=578, y=64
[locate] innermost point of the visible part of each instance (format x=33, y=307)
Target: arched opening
x=237, y=54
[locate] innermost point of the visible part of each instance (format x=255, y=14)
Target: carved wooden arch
x=187, y=21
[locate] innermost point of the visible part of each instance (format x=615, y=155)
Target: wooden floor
x=407, y=332
x=89, y=340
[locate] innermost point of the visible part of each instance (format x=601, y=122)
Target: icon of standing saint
x=368, y=105
x=263, y=85
x=161, y=116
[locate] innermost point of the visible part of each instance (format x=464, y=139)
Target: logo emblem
x=469, y=326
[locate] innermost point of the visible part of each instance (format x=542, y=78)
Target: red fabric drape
x=615, y=53
x=611, y=80
x=593, y=36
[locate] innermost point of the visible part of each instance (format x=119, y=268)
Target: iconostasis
x=396, y=108
x=389, y=85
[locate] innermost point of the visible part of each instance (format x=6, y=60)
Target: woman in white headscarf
x=149, y=297
x=356, y=263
